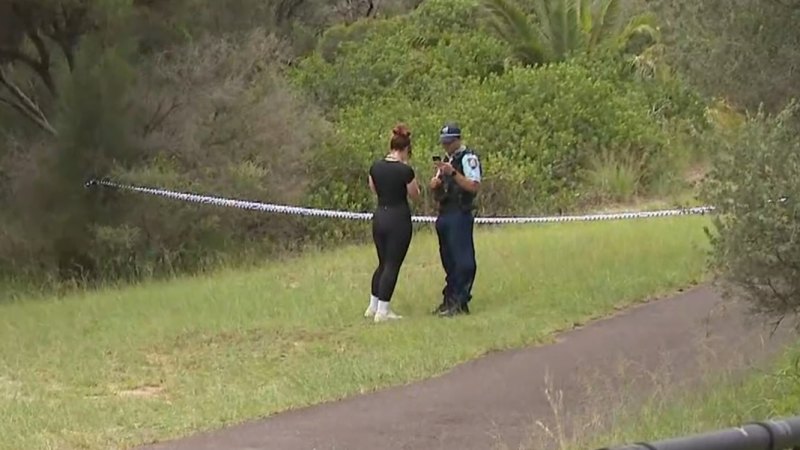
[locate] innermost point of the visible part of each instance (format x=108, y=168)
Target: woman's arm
x=412, y=189
x=372, y=185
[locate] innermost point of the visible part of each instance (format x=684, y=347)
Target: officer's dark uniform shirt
x=451, y=196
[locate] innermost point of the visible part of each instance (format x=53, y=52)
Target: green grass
x=118, y=367
x=725, y=401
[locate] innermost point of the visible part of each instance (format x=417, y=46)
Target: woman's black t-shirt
x=390, y=179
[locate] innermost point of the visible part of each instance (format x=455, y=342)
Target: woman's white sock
x=373, y=302
x=383, y=307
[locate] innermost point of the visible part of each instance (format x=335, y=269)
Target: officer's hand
x=435, y=183
x=446, y=168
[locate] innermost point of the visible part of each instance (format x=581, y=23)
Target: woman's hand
x=435, y=182
x=412, y=189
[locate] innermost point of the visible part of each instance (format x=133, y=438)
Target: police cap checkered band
x=449, y=132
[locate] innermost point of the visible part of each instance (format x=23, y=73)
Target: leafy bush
x=756, y=235
x=248, y=136
x=94, y=134
x=431, y=51
x=536, y=132
x=708, y=40
x=211, y=117
x=539, y=131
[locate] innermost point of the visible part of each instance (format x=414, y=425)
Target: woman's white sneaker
x=384, y=313
x=372, y=308
x=386, y=316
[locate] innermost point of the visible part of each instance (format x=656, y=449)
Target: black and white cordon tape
x=314, y=212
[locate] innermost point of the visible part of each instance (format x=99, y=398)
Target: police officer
x=455, y=186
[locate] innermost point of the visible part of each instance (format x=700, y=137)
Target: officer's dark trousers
x=457, y=250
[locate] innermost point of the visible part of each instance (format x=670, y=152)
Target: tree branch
x=782, y=316
x=7, y=55
x=64, y=44
x=25, y=105
x=26, y=101
x=43, y=66
x=66, y=35
x=14, y=105
x=159, y=116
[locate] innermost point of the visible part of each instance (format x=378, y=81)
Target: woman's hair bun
x=401, y=129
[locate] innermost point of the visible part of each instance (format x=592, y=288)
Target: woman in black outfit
x=393, y=181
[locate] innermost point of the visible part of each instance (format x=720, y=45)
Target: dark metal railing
x=771, y=435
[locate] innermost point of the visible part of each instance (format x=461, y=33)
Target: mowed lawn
x=116, y=368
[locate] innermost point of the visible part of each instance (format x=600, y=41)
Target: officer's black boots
x=442, y=306
x=454, y=309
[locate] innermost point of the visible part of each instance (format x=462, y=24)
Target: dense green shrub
x=548, y=137
x=755, y=186
x=430, y=51
x=94, y=131
x=211, y=117
x=708, y=40
x=671, y=96
x=536, y=131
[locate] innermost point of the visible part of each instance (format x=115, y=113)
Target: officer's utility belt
x=455, y=207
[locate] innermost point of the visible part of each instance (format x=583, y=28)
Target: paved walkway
x=499, y=397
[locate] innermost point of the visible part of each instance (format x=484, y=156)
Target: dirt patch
x=227, y=338
x=193, y=349
x=147, y=391
x=695, y=175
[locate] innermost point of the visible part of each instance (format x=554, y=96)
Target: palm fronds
x=559, y=28
x=512, y=25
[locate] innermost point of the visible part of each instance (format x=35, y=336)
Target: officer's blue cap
x=449, y=133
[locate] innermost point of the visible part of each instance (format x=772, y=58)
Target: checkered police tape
x=313, y=212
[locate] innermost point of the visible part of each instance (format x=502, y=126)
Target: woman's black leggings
x=391, y=232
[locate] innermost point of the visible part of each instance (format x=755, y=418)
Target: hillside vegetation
x=573, y=105
x=152, y=95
